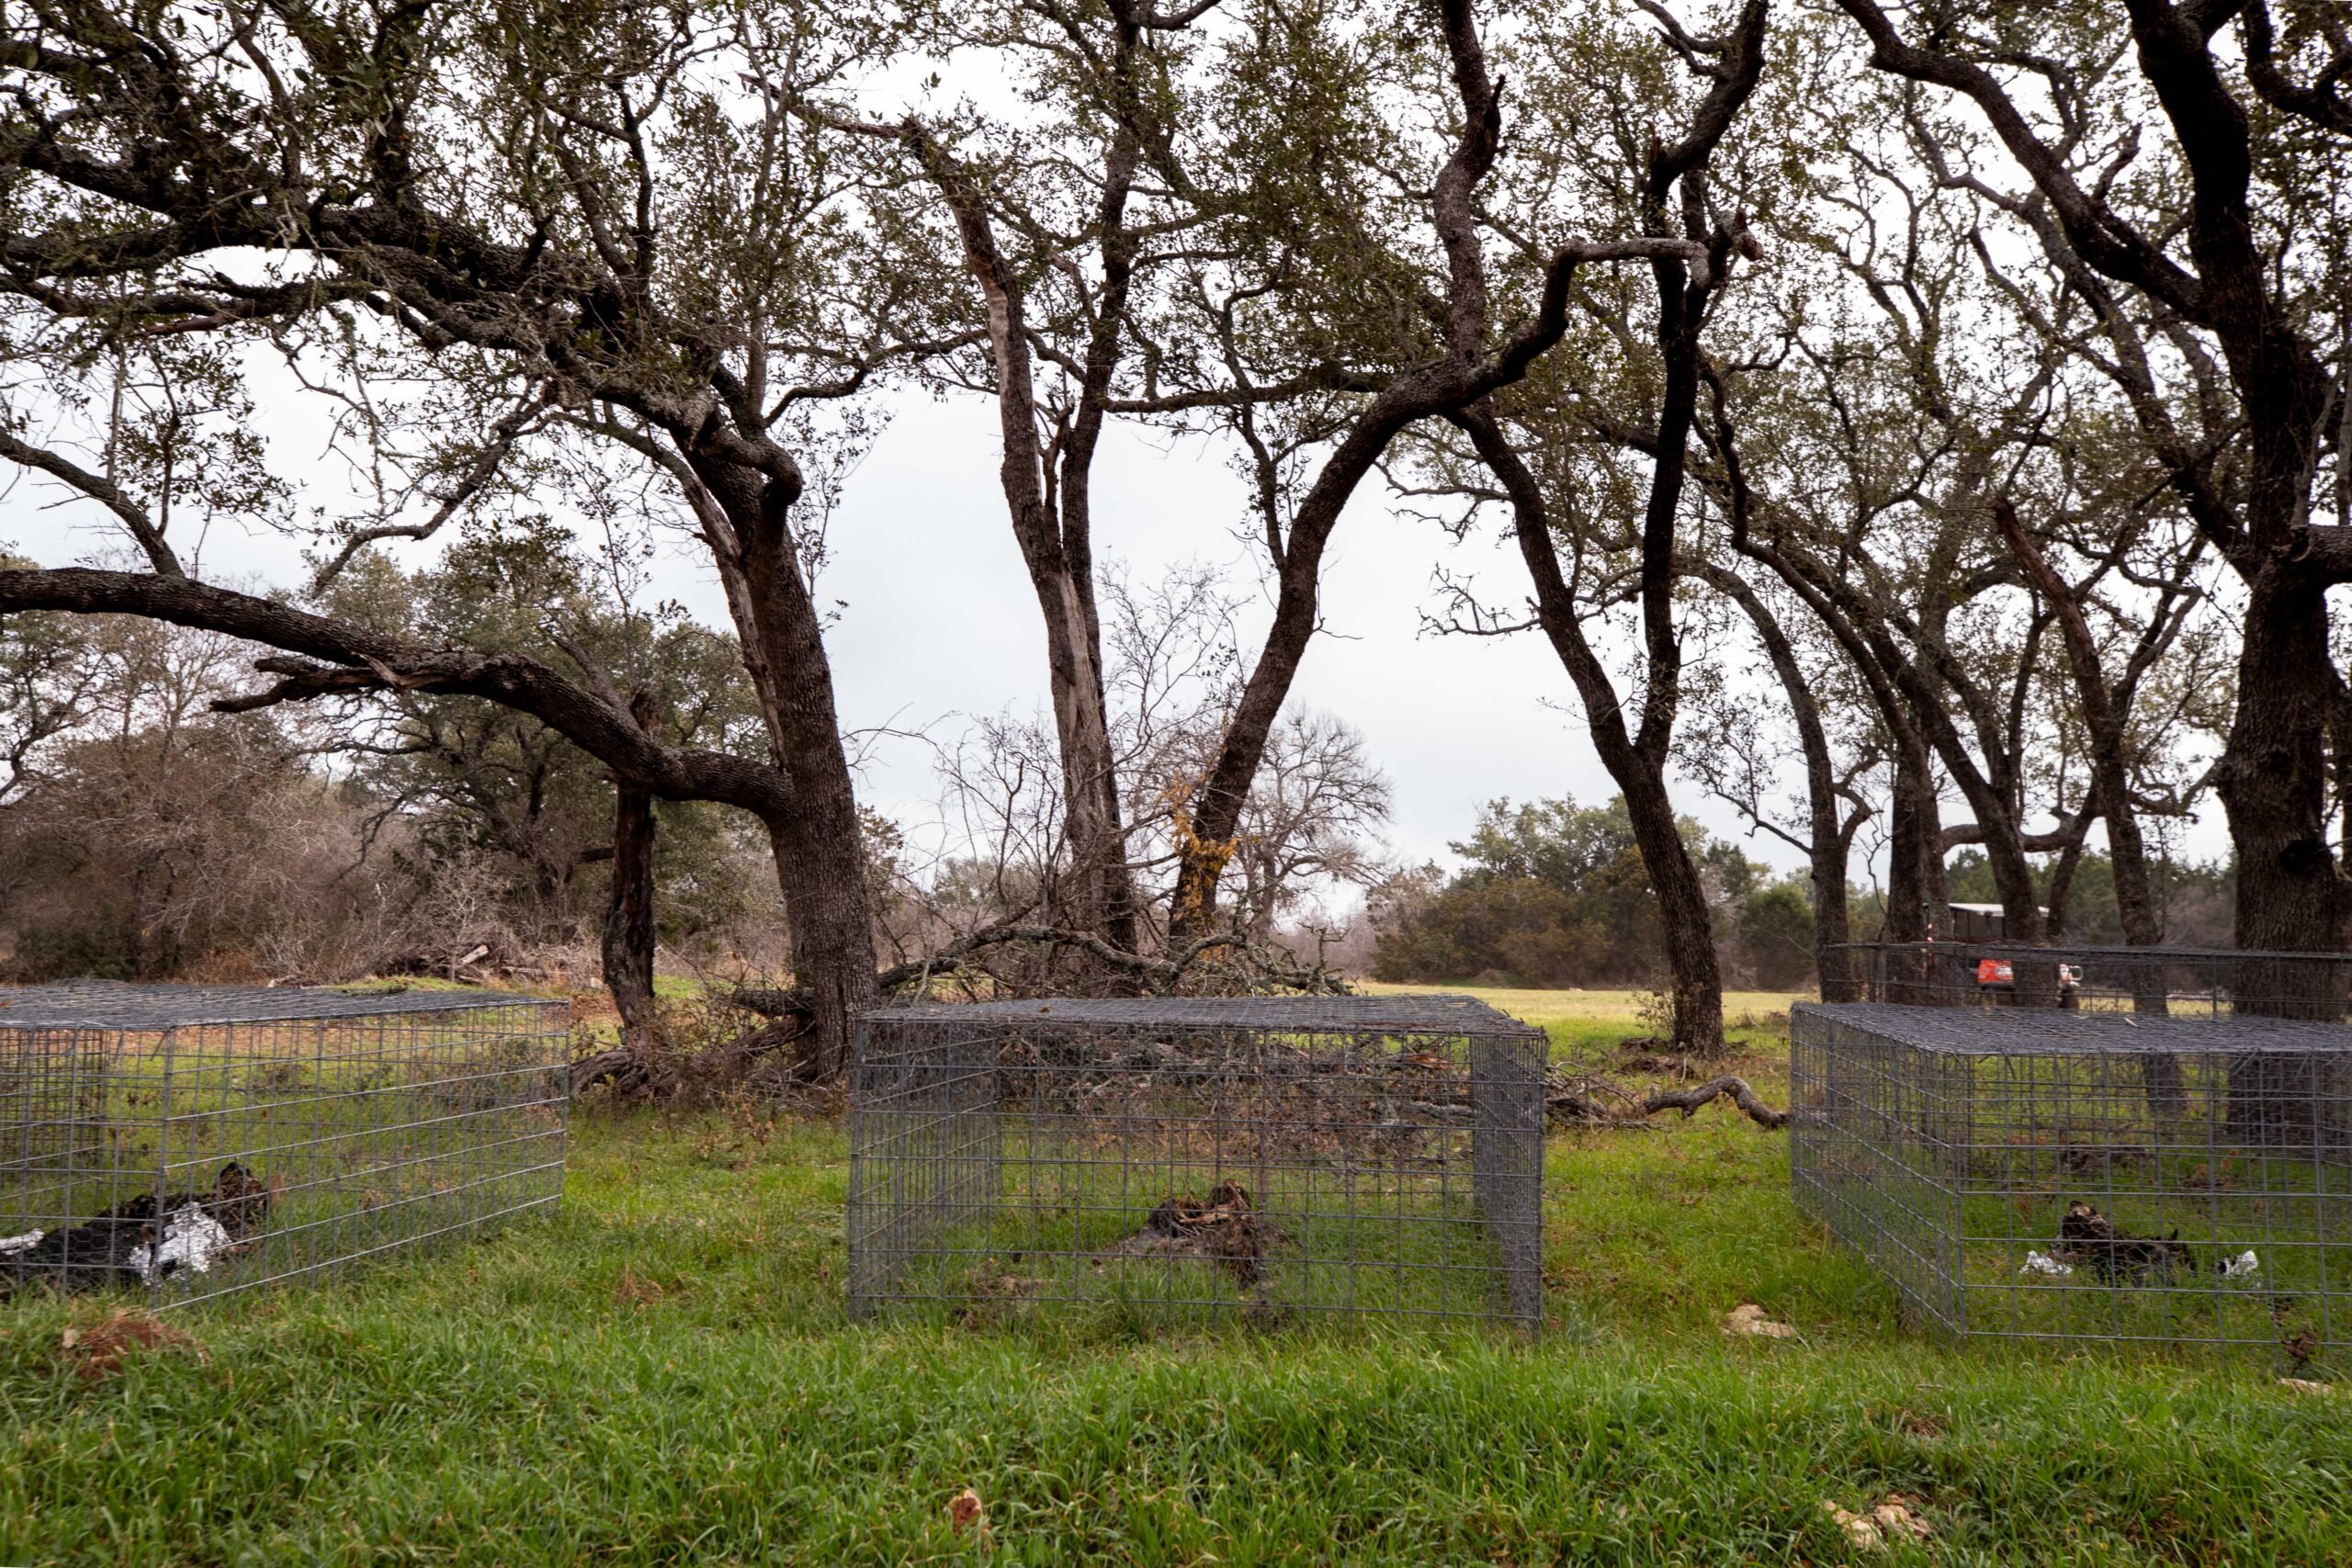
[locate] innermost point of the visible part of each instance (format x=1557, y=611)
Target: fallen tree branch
x=1581, y=1108
x=1688, y=1101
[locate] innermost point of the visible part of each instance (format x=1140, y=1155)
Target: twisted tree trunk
x=628, y=918
x=1054, y=525
x=818, y=842
x=1636, y=764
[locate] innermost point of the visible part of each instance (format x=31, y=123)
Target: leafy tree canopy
x=1555, y=894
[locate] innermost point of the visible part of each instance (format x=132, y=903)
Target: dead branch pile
x=676, y=1071
x=1590, y=1102
x=997, y=962
x=1225, y=1231
x=696, y=1059
x=479, y=955
x=1372, y=1106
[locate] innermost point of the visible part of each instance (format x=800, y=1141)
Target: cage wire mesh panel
x=1196, y=1158
x=2058, y=1174
x=2178, y=982
x=186, y=1140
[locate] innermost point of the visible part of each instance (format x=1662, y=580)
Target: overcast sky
x=940, y=619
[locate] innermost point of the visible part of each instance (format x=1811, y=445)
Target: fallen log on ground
x=1583, y=1108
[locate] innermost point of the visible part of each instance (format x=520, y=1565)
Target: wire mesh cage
x=188, y=1141
x=1193, y=1159
x=2179, y=982
x=2087, y=1173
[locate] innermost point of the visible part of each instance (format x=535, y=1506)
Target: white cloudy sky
x=940, y=618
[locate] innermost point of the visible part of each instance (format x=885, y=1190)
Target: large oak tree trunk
x=1828, y=865
x=2273, y=772
x=1917, y=901
x=1638, y=771
x=1056, y=533
x=2272, y=781
x=1101, y=896
x=1688, y=927
x=628, y=918
x=1915, y=885
x=1206, y=836
x=818, y=844
x=1098, y=838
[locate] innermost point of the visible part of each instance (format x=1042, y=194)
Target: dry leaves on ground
x=2305, y=1386
x=1748, y=1319
x=1890, y=1521
x=99, y=1348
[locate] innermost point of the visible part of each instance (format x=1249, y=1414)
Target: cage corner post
x=169, y=1048
x=859, y=1300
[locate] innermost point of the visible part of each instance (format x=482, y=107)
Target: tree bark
x=2272, y=782
x=1054, y=525
x=1915, y=894
x=2273, y=773
x=628, y=916
x=1467, y=373
x=819, y=842
x=1057, y=549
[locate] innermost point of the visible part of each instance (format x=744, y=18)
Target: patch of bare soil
x=98, y=1349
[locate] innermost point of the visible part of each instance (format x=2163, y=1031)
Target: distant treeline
x=1553, y=894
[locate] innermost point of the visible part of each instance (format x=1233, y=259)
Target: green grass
x=1590, y=1023
x=662, y=1372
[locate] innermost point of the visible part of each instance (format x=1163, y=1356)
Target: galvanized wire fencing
x=2091, y=1172
x=186, y=1140
x=2178, y=982
x=1193, y=1159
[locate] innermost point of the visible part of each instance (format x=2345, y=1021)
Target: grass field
x=662, y=1372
